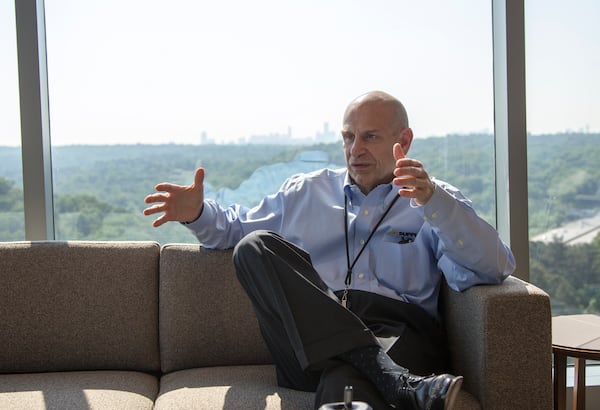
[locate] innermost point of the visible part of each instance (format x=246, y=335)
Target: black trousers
x=306, y=328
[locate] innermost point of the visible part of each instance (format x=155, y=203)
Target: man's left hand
x=412, y=177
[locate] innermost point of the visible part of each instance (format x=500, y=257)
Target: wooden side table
x=576, y=336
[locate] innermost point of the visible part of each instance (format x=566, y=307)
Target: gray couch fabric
x=133, y=325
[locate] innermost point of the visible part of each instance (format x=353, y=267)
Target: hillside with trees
x=99, y=192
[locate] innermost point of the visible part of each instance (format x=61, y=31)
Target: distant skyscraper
x=326, y=135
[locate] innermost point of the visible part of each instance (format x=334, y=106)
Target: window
x=150, y=92
x=563, y=98
x=12, y=225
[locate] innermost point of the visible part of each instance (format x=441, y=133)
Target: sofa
x=136, y=325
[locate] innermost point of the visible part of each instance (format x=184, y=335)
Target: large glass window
x=12, y=225
x=563, y=103
x=146, y=91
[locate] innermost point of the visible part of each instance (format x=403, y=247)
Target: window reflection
x=196, y=83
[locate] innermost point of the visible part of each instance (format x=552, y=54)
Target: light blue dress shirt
x=405, y=259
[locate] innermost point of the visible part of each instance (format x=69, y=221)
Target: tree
x=11, y=199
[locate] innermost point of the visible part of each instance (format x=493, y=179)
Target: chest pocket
x=399, y=237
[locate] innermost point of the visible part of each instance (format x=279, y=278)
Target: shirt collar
x=356, y=197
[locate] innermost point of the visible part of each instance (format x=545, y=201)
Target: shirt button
x=461, y=243
x=362, y=241
x=434, y=215
x=366, y=212
x=361, y=276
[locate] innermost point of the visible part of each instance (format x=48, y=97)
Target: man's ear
x=406, y=137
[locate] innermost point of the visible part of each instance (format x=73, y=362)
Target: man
x=344, y=267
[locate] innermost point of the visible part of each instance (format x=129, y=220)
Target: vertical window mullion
x=510, y=129
x=35, y=121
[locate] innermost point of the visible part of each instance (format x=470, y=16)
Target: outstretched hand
x=180, y=203
x=412, y=177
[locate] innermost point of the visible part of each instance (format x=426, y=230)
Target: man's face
x=369, y=132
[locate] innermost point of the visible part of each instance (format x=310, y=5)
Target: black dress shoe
x=428, y=393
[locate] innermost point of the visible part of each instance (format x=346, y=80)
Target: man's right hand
x=177, y=202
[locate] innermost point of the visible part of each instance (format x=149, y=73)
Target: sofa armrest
x=500, y=340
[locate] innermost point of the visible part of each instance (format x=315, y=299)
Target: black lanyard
x=349, y=265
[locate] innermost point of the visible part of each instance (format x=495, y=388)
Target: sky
x=132, y=71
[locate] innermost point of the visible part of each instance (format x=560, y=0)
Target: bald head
x=400, y=117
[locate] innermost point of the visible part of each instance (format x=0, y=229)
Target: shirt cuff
x=207, y=214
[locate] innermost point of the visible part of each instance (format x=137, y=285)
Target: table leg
x=579, y=385
x=560, y=382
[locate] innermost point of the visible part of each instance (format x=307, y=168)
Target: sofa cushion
x=78, y=306
x=206, y=319
x=243, y=387
x=229, y=387
x=78, y=390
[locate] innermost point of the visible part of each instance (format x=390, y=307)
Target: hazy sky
x=131, y=71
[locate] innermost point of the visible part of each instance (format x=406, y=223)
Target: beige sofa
x=133, y=325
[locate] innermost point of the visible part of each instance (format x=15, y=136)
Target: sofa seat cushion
x=243, y=387
x=229, y=387
x=91, y=390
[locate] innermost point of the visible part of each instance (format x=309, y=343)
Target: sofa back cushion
x=205, y=319
x=78, y=306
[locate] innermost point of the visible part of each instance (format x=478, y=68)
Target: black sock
x=379, y=368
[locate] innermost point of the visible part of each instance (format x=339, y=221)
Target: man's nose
x=357, y=147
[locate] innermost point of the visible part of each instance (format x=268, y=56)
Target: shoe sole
x=452, y=393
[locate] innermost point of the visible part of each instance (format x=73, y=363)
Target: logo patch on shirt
x=400, y=237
